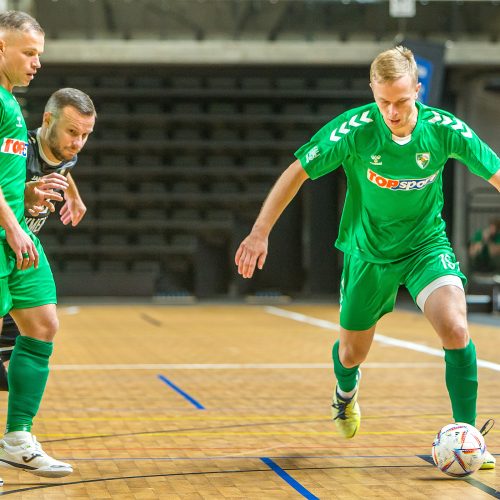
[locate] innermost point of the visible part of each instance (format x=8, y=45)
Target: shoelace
x=487, y=426
x=38, y=447
x=35, y=447
x=341, y=406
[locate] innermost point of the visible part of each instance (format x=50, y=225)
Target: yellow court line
x=250, y=434
x=232, y=366
x=235, y=418
x=183, y=418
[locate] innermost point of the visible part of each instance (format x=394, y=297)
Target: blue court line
x=288, y=479
x=185, y=395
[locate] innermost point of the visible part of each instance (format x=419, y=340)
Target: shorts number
x=447, y=262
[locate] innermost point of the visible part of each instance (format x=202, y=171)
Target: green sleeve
x=467, y=147
x=326, y=150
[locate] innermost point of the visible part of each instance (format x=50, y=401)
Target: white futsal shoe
x=21, y=450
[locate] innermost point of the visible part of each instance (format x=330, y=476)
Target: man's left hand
x=72, y=211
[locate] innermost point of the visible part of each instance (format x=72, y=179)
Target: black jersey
x=37, y=167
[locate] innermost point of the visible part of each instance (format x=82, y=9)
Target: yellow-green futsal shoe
x=346, y=414
x=489, y=460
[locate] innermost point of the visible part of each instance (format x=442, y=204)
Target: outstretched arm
x=252, y=251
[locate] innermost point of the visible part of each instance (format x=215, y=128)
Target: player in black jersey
x=68, y=120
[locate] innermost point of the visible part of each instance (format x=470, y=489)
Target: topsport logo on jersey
x=14, y=147
x=399, y=184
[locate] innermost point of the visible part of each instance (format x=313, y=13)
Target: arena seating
x=178, y=167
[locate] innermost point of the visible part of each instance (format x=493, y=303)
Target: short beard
x=54, y=149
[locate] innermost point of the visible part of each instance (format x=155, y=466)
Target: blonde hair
x=393, y=64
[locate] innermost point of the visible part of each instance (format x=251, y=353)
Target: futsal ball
x=458, y=449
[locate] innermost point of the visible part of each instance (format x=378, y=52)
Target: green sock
x=461, y=382
x=346, y=377
x=28, y=373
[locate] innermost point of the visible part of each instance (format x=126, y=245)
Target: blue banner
x=425, y=70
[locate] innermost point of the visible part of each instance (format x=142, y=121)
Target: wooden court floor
x=233, y=401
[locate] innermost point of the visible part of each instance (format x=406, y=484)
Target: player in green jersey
x=27, y=288
x=393, y=152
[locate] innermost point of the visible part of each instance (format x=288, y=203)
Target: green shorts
x=368, y=290
x=29, y=288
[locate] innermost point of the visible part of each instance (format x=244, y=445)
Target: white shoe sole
x=47, y=472
x=50, y=472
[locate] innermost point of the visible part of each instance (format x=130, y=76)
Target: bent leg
x=29, y=364
x=367, y=292
x=447, y=312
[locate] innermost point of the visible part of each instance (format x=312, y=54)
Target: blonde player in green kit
x=393, y=152
x=27, y=288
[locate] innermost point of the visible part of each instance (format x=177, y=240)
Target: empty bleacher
x=178, y=167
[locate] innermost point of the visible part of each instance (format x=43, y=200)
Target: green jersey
x=394, y=194
x=13, y=151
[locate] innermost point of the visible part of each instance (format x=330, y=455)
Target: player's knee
x=350, y=357
x=46, y=329
x=52, y=327
x=456, y=337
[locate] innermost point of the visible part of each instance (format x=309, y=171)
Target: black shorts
x=10, y=332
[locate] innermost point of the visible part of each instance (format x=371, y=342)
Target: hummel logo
x=19, y=122
x=376, y=159
x=27, y=460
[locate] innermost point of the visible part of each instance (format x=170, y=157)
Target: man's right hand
x=251, y=253
x=39, y=195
